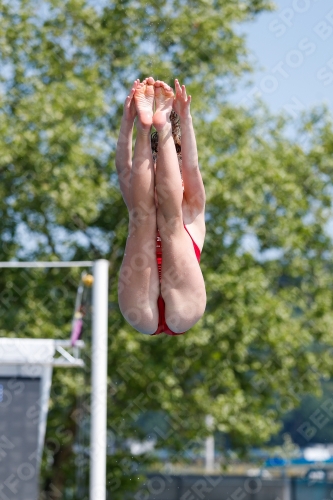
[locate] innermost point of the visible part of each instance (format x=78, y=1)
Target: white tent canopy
x=25, y=353
x=35, y=358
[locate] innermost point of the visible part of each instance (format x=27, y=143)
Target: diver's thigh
x=138, y=287
x=182, y=284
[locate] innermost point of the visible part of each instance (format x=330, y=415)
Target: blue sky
x=292, y=49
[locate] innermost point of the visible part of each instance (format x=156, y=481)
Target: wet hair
x=176, y=134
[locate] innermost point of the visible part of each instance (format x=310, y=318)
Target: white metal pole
x=98, y=435
x=210, y=446
x=42, y=264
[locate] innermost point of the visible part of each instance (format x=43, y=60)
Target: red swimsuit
x=162, y=326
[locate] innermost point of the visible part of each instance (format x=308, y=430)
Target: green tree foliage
x=265, y=339
x=311, y=422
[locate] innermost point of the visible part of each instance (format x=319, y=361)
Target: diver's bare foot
x=144, y=101
x=163, y=101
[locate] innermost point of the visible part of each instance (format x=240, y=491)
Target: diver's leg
x=182, y=285
x=138, y=279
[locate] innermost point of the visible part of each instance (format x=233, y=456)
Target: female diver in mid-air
x=161, y=287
